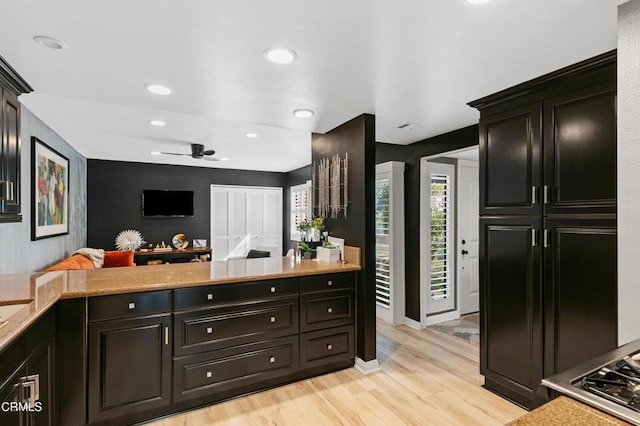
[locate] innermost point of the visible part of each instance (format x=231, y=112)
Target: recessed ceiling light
x=155, y=153
x=303, y=113
x=158, y=123
x=158, y=89
x=478, y=1
x=49, y=42
x=280, y=55
x=224, y=159
x=251, y=135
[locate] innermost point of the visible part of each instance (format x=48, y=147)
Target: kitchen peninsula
x=124, y=345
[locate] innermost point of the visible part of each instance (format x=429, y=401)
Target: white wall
x=628, y=171
x=17, y=252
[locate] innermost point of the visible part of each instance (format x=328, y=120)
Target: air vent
x=408, y=125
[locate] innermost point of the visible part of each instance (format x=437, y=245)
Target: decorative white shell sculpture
x=129, y=239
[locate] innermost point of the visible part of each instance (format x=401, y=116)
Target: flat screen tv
x=165, y=203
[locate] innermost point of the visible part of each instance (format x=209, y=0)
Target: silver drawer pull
x=329, y=282
x=132, y=305
x=273, y=289
x=273, y=319
x=329, y=310
x=272, y=359
x=210, y=296
x=209, y=374
x=209, y=330
x=329, y=346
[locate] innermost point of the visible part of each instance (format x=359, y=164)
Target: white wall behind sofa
x=17, y=252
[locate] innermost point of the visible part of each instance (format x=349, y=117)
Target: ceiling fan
x=198, y=152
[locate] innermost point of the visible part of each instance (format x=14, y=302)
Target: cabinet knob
x=465, y=252
x=329, y=282
x=132, y=305
x=209, y=330
x=210, y=296
x=329, y=310
x=272, y=359
x=329, y=346
x=273, y=319
x=273, y=289
x=209, y=374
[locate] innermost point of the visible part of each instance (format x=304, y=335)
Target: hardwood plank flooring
x=427, y=377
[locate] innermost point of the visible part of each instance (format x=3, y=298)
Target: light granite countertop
x=567, y=412
x=29, y=296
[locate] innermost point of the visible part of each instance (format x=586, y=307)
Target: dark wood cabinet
x=548, y=260
x=129, y=361
x=510, y=173
x=580, y=151
x=327, y=316
x=581, y=319
x=27, y=377
x=511, y=305
x=11, y=86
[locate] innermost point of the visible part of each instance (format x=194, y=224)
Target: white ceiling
x=404, y=61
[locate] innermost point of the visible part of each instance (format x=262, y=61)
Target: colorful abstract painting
x=50, y=192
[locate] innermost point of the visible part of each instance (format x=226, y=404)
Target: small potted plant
x=305, y=249
x=312, y=229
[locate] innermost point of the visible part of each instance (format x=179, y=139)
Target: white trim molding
x=367, y=367
x=443, y=317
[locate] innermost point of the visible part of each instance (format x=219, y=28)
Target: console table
x=171, y=256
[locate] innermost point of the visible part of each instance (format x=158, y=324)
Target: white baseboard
x=447, y=316
x=412, y=323
x=367, y=367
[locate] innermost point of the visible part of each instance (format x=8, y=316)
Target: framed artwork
x=49, y=191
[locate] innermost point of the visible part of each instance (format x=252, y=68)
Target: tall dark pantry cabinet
x=548, y=261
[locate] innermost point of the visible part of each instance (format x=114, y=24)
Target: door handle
x=465, y=252
x=6, y=190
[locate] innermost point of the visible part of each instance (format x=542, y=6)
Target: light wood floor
x=427, y=378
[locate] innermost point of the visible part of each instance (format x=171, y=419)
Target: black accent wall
x=114, y=198
x=411, y=155
x=357, y=137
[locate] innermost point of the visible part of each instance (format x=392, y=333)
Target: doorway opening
x=449, y=275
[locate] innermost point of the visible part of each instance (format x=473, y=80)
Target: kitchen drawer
x=199, y=297
x=327, y=309
x=222, y=371
x=129, y=305
x=323, y=347
x=216, y=328
x=326, y=282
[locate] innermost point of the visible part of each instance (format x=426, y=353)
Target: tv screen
x=163, y=203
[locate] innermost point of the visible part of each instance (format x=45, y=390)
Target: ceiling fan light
x=478, y=1
x=251, y=135
x=155, y=153
x=158, y=123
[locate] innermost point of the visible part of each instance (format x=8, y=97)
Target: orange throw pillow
x=118, y=258
x=75, y=262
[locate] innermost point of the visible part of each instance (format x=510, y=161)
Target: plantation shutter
x=300, y=208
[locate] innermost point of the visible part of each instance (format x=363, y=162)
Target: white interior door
x=467, y=240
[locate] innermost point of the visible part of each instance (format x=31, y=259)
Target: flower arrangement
x=311, y=229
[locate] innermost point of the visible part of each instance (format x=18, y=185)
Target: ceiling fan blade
x=174, y=153
x=211, y=159
x=208, y=152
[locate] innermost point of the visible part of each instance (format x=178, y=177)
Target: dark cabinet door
x=510, y=312
x=42, y=365
x=10, y=154
x=580, y=151
x=510, y=161
x=11, y=392
x=580, y=297
x=129, y=366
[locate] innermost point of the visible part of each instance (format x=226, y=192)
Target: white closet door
x=273, y=219
x=237, y=213
x=255, y=217
x=219, y=223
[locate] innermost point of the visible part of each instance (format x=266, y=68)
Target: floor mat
x=466, y=327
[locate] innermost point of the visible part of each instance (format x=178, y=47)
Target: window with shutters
x=383, y=276
x=440, y=277
x=300, y=208
x=389, y=226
